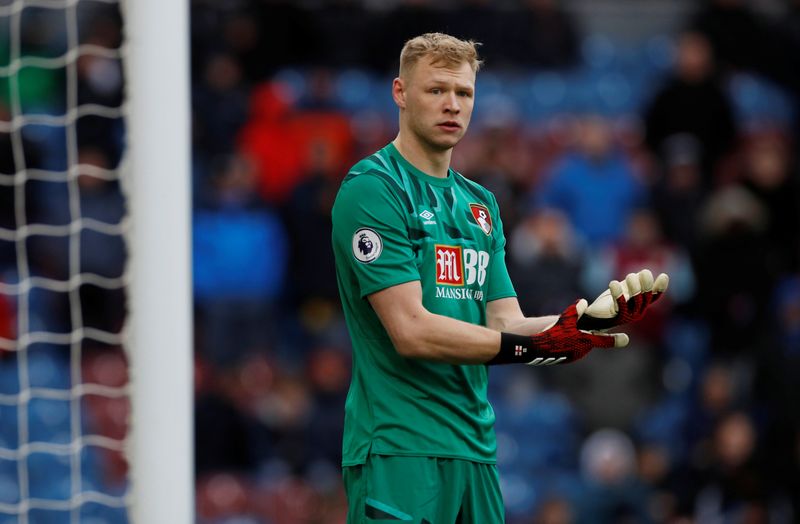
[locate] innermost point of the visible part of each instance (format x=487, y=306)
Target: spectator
x=735, y=268
x=344, y=22
x=545, y=262
x=692, y=102
x=10, y=165
x=240, y=255
x=219, y=105
x=720, y=393
x=732, y=486
x=768, y=173
x=540, y=34
x=644, y=246
x=102, y=252
x=480, y=20
x=100, y=82
x=499, y=161
x=743, y=40
x=329, y=375
x=277, y=156
x=281, y=138
x=39, y=88
x=679, y=192
x=554, y=510
x=777, y=392
x=656, y=469
x=594, y=184
x=395, y=27
x=224, y=497
x=270, y=26
x=614, y=493
x=786, y=304
x=221, y=430
x=308, y=213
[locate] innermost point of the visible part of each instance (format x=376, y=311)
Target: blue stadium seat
x=664, y=423
x=520, y=494
x=489, y=83
x=756, y=99
x=354, y=89
x=599, y=51
x=48, y=367
x=9, y=376
x=9, y=432
x=688, y=340
x=659, y=54
x=93, y=513
x=49, y=476
x=46, y=516
x=9, y=484
x=49, y=421
x=52, y=141
x=614, y=94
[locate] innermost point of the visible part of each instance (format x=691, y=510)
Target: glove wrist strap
x=514, y=349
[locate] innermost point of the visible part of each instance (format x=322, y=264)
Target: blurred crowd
x=677, y=153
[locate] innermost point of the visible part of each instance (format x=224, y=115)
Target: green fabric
x=39, y=87
x=394, y=224
x=422, y=489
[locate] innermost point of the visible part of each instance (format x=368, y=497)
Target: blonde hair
x=442, y=48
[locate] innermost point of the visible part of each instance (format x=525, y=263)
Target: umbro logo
x=427, y=217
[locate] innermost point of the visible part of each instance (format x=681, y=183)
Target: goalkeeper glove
x=560, y=343
x=625, y=301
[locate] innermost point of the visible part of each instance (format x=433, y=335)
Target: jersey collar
x=432, y=180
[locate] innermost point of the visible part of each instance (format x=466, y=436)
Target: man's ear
x=399, y=92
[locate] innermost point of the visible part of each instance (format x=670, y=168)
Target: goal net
x=79, y=440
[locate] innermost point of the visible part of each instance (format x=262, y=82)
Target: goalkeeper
x=429, y=306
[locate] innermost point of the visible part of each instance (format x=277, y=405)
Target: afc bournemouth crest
x=482, y=217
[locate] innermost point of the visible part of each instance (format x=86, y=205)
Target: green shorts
x=423, y=490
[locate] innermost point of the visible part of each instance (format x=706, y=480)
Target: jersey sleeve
x=370, y=235
x=500, y=285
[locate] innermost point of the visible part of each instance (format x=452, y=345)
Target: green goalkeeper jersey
x=392, y=224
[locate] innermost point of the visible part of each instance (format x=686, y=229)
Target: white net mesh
x=63, y=377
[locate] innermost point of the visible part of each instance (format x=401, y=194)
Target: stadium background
x=616, y=134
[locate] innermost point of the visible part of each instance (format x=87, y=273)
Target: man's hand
x=564, y=342
x=624, y=302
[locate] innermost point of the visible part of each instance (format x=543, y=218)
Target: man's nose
x=451, y=104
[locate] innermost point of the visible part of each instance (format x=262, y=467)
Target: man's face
x=437, y=102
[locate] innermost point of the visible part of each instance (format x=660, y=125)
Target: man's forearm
x=527, y=325
x=445, y=339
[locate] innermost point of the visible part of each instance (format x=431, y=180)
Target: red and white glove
x=624, y=302
x=560, y=343
x=565, y=341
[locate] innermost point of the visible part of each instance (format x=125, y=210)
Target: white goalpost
x=159, y=119
x=48, y=440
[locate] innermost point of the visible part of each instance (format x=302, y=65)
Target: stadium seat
x=49, y=476
x=9, y=483
x=47, y=369
x=9, y=434
x=49, y=421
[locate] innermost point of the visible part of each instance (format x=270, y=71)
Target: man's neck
x=434, y=163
